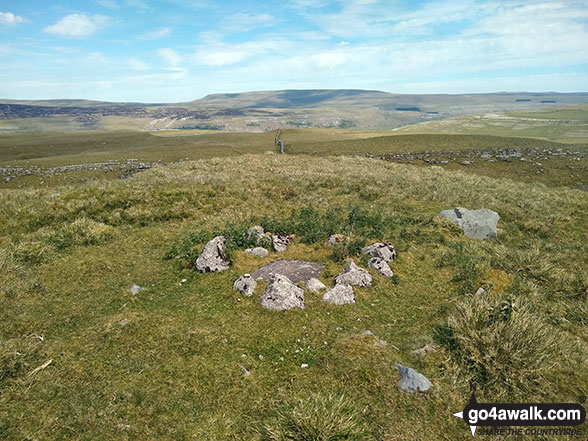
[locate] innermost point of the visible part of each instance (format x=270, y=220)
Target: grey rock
x=245, y=371
x=282, y=294
x=335, y=239
x=280, y=242
x=246, y=284
x=383, y=250
x=136, y=289
x=295, y=270
x=368, y=332
x=315, y=285
x=257, y=251
x=354, y=275
x=466, y=162
x=382, y=342
x=341, y=294
x=411, y=380
x=480, y=291
x=476, y=224
x=257, y=235
x=213, y=257
x=381, y=266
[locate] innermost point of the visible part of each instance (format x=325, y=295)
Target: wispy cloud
x=245, y=22
x=78, y=25
x=110, y=4
x=137, y=64
x=8, y=18
x=156, y=34
x=170, y=56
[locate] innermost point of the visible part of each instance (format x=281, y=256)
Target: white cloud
x=156, y=34
x=246, y=22
x=78, y=25
x=219, y=58
x=170, y=56
x=137, y=64
x=110, y=4
x=8, y=18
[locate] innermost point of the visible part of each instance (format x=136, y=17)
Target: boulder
x=214, y=257
x=381, y=266
x=257, y=251
x=315, y=285
x=354, y=275
x=476, y=224
x=411, y=380
x=382, y=250
x=281, y=241
x=246, y=284
x=282, y=294
x=341, y=294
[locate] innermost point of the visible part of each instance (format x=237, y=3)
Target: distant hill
x=268, y=110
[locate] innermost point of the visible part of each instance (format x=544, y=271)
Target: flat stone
x=295, y=270
x=476, y=224
x=257, y=251
x=340, y=295
x=411, y=380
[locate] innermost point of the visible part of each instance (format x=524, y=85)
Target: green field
x=82, y=358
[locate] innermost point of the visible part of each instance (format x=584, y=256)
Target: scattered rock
x=281, y=241
x=480, y=291
x=476, y=224
x=427, y=348
x=368, y=333
x=341, y=294
x=303, y=365
x=257, y=251
x=282, y=294
x=335, y=239
x=315, y=285
x=381, y=266
x=411, y=380
x=54, y=195
x=246, y=284
x=382, y=342
x=257, y=235
x=246, y=372
x=213, y=258
x=295, y=270
x=354, y=275
x=382, y=250
x=466, y=162
x=136, y=289
x=261, y=357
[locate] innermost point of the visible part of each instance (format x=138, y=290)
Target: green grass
x=165, y=364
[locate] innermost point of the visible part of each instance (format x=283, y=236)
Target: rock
x=354, y=275
x=476, y=224
x=245, y=371
x=315, y=285
x=282, y=294
x=136, y=289
x=280, y=242
x=466, y=162
x=480, y=291
x=303, y=365
x=335, y=239
x=256, y=235
x=246, y=284
x=257, y=251
x=383, y=250
x=295, y=270
x=382, y=342
x=341, y=294
x=368, y=332
x=381, y=266
x=213, y=257
x=411, y=380
x=427, y=348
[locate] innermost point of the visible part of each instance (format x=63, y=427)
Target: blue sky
x=179, y=50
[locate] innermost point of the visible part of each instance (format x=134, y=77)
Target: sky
x=180, y=50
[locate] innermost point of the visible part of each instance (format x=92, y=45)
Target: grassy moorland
x=166, y=363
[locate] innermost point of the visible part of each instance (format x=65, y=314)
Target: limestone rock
x=213, y=258
x=476, y=224
x=280, y=242
x=341, y=294
x=282, y=294
x=411, y=380
x=256, y=235
x=381, y=266
x=315, y=285
x=354, y=275
x=382, y=250
x=257, y=251
x=246, y=284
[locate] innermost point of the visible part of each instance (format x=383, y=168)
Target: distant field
x=566, y=124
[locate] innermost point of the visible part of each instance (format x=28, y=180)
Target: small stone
x=246, y=372
x=340, y=295
x=382, y=342
x=261, y=357
x=303, y=365
x=368, y=333
x=411, y=380
x=136, y=289
x=354, y=275
x=246, y=284
x=427, y=348
x=257, y=251
x=244, y=355
x=382, y=250
x=184, y=280
x=480, y=291
x=280, y=242
x=335, y=239
x=123, y=322
x=381, y=266
x=315, y=285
